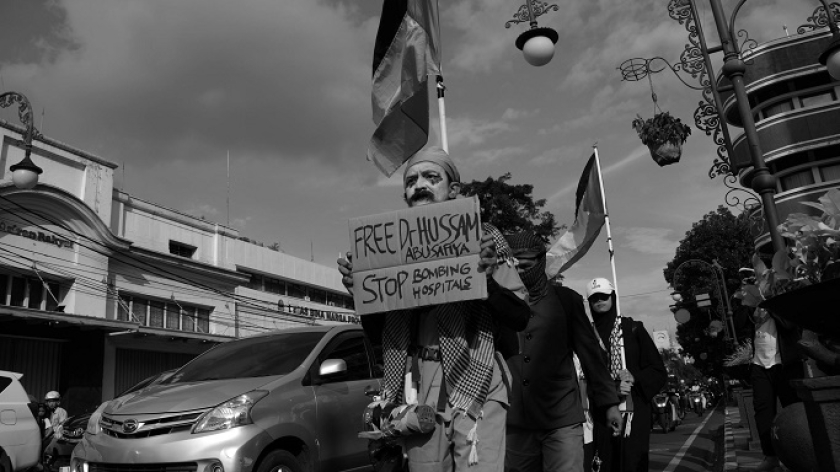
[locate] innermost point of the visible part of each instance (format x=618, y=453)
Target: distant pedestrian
x=43, y=418
x=57, y=414
x=643, y=377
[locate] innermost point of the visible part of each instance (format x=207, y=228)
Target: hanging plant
x=664, y=135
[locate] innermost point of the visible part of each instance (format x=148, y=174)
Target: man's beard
x=421, y=195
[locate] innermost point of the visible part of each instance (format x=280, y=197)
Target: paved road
x=690, y=447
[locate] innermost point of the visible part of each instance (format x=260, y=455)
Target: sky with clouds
x=166, y=89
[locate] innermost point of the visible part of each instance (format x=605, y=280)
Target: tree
x=512, y=208
x=723, y=237
x=676, y=366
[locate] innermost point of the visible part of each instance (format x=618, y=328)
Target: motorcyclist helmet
x=53, y=395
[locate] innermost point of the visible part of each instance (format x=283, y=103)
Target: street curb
x=730, y=457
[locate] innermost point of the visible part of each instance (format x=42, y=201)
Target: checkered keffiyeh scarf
x=465, y=332
x=616, y=343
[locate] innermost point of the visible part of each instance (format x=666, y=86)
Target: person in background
x=643, y=377
x=545, y=420
x=446, y=356
x=57, y=414
x=44, y=418
x=776, y=360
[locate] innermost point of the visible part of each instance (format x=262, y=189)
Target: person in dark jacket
x=545, y=431
x=644, y=377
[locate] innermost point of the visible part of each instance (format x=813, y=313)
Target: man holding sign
x=446, y=355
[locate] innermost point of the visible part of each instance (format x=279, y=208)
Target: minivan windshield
x=262, y=356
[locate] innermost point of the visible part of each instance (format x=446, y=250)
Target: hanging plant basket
x=666, y=153
x=664, y=135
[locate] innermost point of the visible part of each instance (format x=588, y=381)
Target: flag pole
x=441, y=89
x=610, y=246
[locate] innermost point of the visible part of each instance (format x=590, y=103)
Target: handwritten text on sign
x=416, y=257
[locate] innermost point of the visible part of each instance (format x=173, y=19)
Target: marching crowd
x=492, y=384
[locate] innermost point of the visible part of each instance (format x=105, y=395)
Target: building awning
x=113, y=327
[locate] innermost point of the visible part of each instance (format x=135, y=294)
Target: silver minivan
x=290, y=400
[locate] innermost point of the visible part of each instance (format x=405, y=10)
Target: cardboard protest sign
x=419, y=256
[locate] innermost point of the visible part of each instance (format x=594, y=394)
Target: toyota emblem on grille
x=129, y=426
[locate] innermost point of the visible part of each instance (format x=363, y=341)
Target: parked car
x=288, y=400
x=20, y=433
x=57, y=450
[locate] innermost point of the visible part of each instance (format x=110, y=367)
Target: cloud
x=635, y=155
x=647, y=240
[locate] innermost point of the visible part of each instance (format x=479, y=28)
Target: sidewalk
x=738, y=456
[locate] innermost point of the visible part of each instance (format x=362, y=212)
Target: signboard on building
x=38, y=234
x=419, y=256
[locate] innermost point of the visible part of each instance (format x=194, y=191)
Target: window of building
x=776, y=108
x=156, y=314
x=29, y=292
x=202, y=320
x=296, y=290
x=53, y=296
x=173, y=316
x=159, y=314
x=181, y=249
x=318, y=295
x=817, y=98
x=18, y=291
x=275, y=286
x=797, y=179
x=830, y=172
x=36, y=294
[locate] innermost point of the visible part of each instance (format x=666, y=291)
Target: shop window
x=777, y=108
x=173, y=316
x=830, y=172
x=156, y=314
x=797, y=179
x=181, y=249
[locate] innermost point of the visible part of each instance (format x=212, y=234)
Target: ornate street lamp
x=25, y=173
x=537, y=44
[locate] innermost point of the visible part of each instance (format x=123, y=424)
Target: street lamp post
x=709, y=117
x=25, y=173
x=716, y=271
x=537, y=44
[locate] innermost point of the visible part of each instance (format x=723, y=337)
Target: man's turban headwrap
x=438, y=156
x=528, y=244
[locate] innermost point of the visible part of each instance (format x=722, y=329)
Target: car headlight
x=230, y=414
x=93, y=426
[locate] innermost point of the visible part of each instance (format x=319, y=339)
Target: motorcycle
x=696, y=403
x=663, y=412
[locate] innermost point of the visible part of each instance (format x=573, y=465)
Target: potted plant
x=664, y=135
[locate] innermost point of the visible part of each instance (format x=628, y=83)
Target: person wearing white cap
x=643, y=377
x=447, y=356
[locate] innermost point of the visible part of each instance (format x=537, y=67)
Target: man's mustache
x=422, y=194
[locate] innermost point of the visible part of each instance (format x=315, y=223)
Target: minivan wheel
x=280, y=461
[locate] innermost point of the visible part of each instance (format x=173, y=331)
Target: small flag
x=405, y=54
x=590, y=214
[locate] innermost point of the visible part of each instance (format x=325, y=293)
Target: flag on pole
x=406, y=52
x=590, y=214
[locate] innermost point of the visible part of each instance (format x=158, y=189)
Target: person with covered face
x=449, y=350
x=545, y=420
x=643, y=377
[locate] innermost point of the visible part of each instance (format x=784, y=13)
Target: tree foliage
x=676, y=366
x=723, y=237
x=512, y=208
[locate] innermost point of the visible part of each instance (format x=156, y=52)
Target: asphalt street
x=691, y=446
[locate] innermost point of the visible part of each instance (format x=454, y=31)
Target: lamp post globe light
x=25, y=173
x=536, y=44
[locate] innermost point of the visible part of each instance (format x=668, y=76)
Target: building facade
x=796, y=107
x=99, y=289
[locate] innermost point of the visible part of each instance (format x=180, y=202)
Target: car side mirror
x=332, y=368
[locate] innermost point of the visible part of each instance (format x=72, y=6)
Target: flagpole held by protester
x=441, y=90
